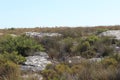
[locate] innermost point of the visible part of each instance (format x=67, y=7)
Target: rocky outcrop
x=113, y=33
x=40, y=35
x=37, y=62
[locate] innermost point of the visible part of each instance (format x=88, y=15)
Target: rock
x=42, y=54
x=79, y=59
x=1, y=34
x=75, y=59
x=13, y=35
x=113, y=33
x=36, y=62
x=117, y=49
x=95, y=59
x=40, y=35
x=35, y=76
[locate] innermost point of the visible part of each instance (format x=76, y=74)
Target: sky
x=51, y=13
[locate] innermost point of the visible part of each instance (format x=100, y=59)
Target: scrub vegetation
x=80, y=41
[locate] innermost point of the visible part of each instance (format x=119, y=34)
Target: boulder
x=113, y=33
x=37, y=62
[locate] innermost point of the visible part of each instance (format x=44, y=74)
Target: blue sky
x=50, y=13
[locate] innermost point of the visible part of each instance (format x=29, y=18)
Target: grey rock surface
x=113, y=33
x=75, y=59
x=40, y=35
x=95, y=59
x=36, y=62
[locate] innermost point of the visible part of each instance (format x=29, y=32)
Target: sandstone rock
x=95, y=59
x=36, y=62
x=40, y=35
x=1, y=34
x=75, y=59
x=113, y=33
x=13, y=35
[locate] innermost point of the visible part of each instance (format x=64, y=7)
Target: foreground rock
x=37, y=62
x=113, y=33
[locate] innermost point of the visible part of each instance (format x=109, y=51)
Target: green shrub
x=14, y=57
x=92, y=39
x=100, y=30
x=83, y=46
x=22, y=44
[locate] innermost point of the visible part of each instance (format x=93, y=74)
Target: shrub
x=53, y=53
x=22, y=44
x=14, y=57
x=92, y=39
x=50, y=75
x=62, y=68
x=107, y=51
x=84, y=46
x=100, y=30
x=104, y=47
x=76, y=69
x=83, y=71
x=66, y=44
x=88, y=54
x=65, y=47
x=9, y=70
x=109, y=62
x=116, y=56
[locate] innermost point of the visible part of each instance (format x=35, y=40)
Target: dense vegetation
x=84, y=42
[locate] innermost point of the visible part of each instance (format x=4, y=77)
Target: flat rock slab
x=36, y=63
x=113, y=33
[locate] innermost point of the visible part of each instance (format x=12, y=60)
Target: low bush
x=14, y=57
x=83, y=71
x=109, y=62
x=9, y=70
x=22, y=44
